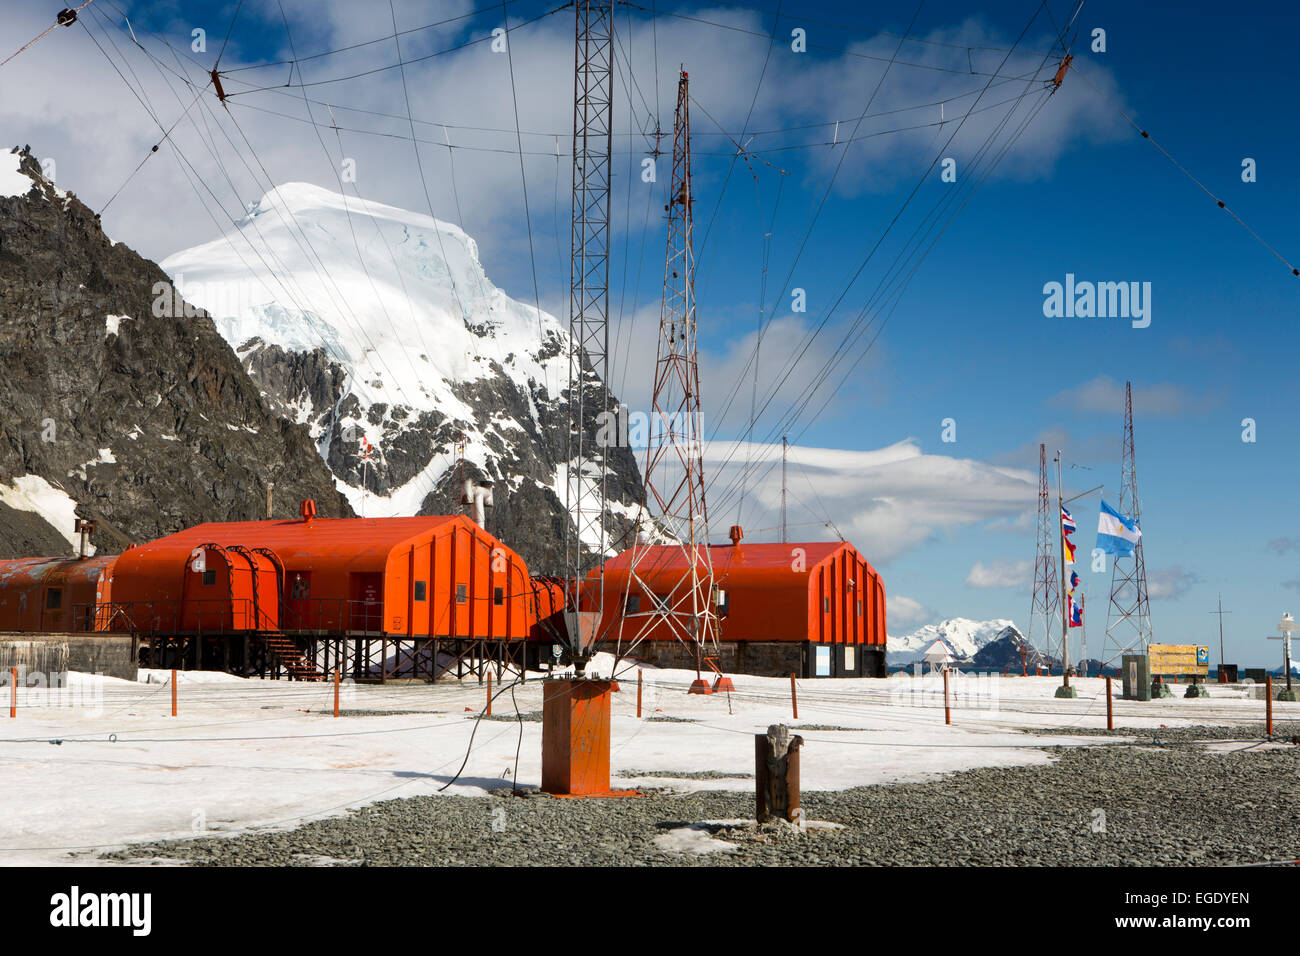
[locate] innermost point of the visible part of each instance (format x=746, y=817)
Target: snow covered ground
x=103, y=763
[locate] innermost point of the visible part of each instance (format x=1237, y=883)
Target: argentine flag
x=1116, y=534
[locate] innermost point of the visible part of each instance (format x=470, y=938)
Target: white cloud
x=1170, y=583
x=64, y=99
x=906, y=612
x=1105, y=394
x=886, y=501
x=1001, y=574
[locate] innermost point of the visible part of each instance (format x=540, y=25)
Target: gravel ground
x=1169, y=804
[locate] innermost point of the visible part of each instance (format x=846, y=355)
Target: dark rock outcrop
x=139, y=411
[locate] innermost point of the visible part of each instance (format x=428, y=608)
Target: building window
x=826, y=605
x=419, y=590
x=462, y=593
x=859, y=608
x=209, y=577
x=633, y=604
x=299, y=585
x=54, y=599
x=498, y=596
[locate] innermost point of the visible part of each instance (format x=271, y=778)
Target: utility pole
x=1221, y=612
x=1065, y=623
x=1065, y=690
x=593, y=117
x=1128, y=616
x=1042, y=605
x=783, y=461
x=674, y=470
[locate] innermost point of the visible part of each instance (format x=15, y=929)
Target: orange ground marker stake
x=488, y=712
x=336, y=692
x=1110, y=716
x=173, y=692
x=638, y=692
x=1268, y=706
x=947, y=711
x=794, y=696
x=13, y=692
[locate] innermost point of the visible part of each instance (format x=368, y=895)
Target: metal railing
x=183, y=616
x=217, y=616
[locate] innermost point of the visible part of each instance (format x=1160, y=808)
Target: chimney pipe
x=737, y=532
x=85, y=529
x=308, y=510
x=479, y=499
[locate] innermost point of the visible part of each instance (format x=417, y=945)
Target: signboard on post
x=1171, y=660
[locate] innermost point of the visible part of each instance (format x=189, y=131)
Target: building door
x=367, y=601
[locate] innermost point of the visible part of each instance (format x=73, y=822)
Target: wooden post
x=336, y=691
x=1110, y=715
x=638, y=691
x=947, y=710
x=173, y=692
x=13, y=692
x=794, y=697
x=1268, y=705
x=489, y=694
x=776, y=775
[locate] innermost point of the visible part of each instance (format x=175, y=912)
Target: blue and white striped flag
x=1116, y=534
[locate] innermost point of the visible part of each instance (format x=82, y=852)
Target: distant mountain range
x=965, y=638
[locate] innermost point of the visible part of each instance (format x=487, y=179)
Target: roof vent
x=736, y=534
x=307, y=509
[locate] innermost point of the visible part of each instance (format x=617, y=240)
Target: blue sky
x=1080, y=193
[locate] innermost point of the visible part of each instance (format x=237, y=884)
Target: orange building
x=53, y=594
x=436, y=576
x=816, y=609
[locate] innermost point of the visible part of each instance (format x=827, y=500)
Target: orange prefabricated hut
x=53, y=595
x=816, y=609
x=435, y=576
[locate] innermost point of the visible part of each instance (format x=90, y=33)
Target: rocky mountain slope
x=117, y=407
x=378, y=330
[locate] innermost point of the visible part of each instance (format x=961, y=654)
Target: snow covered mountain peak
x=377, y=325
x=964, y=637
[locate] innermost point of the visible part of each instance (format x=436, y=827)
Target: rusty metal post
x=947, y=709
x=173, y=692
x=794, y=697
x=638, y=692
x=1110, y=715
x=13, y=692
x=336, y=692
x=488, y=712
x=776, y=775
x=1268, y=705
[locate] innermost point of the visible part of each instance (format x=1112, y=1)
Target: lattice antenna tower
x=1128, y=615
x=585, y=533
x=1045, y=606
x=680, y=604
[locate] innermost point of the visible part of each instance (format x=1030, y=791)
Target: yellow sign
x=1174, y=659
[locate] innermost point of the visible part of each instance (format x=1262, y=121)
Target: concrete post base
x=1064, y=691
